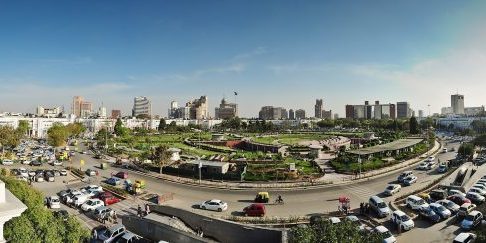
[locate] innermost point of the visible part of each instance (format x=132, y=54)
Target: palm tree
x=161, y=156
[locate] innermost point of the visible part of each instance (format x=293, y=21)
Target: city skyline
x=299, y=52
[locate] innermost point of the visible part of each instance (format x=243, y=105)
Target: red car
x=122, y=175
x=458, y=199
x=256, y=209
x=108, y=198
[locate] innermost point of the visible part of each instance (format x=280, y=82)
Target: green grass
x=289, y=139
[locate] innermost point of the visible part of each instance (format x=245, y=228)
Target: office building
x=226, y=110
x=299, y=114
x=403, y=110
x=367, y=111
x=174, y=111
x=474, y=111
x=142, y=106
x=102, y=112
x=272, y=113
x=76, y=105
x=115, y=114
x=421, y=114
x=86, y=109
x=199, y=108
x=48, y=112
x=445, y=111
x=291, y=114
x=319, y=111
x=457, y=104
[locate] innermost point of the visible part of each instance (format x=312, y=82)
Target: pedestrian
x=147, y=209
x=139, y=211
x=95, y=234
x=361, y=208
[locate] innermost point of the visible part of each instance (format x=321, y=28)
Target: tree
x=23, y=127
x=414, y=127
x=161, y=156
x=9, y=137
x=57, y=135
x=162, y=125
x=466, y=149
x=38, y=224
x=323, y=231
x=480, y=140
x=118, y=129
x=75, y=129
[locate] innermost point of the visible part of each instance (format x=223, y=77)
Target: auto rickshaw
x=262, y=197
x=425, y=196
x=140, y=184
x=134, y=188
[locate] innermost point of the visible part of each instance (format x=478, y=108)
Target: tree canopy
x=38, y=224
x=57, y=135
x=161, y=156
x=162, y=125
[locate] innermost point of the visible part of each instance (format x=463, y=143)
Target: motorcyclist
x=279, y=198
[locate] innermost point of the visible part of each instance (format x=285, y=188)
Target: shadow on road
x=246, y=201
x=237, y=213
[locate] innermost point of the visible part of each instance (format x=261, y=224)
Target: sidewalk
x=325, y=181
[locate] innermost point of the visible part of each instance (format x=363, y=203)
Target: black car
x=36, y=163
x=438, y=194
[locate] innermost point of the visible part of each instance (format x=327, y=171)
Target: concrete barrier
x=222, y=230
x=156, y=231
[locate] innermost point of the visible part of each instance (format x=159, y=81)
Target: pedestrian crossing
x=361, y=192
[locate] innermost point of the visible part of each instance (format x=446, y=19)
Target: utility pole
x=200, y=165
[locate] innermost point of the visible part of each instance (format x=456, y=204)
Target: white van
x=402, y=220
x=416, y=203
x=379, y=206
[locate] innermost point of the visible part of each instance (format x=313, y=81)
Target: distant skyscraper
x=141, y=106
x=318, y=107
x=86, y=109
x=457, y=104
x=300, y=114
x=421, y=114
x=76, y=105
x=226, y=110
x=403, y=110
x=102, y=111
x=291, y=114
x=272, y=113
x=174, y=111
x=199, y=108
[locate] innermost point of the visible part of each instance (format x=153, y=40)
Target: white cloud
x=256, y=52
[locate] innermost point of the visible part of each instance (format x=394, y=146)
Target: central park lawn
x=289, y=139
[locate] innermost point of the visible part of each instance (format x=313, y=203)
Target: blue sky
x=281, y=53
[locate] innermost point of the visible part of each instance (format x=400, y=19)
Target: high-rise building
x=291, y=114
x=76, y=105
x=226, y=110
x=474, y=111
x=446, y=111
x=300, y=114
x=102, y=112
x=86, y=109
x=48, y=112
x=199, y=108
x=142, y=106
x=115, y=114
x=457, y=104
x=421, y=114
x=403, y=110
x=272, y=113
x=318, y=107
x=174, y=111
x=367, y=111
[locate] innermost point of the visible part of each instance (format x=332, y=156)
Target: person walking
x=139, y=211
x=147, y=209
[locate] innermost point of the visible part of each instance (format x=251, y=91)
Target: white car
x=57, y=163
x=63, y=172
x=410, y=180
x=416, y=203
x=392, y=189
x=23, y=172
x=387, y=235
x=423, y=166
x=214, y=205
x=26, y=162
x=7, y=162
x=404, y=221
x=465, y=238
x=430, y=159
x=53, y=202
x=477, y=190
x=92, y=204
x=94, y=188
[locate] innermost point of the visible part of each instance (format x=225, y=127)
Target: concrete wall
x=156, y=231
x=222, y=230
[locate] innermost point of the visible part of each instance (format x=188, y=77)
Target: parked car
x=103, y=212
x=454, y=208
x=91, y=172
x=465, y=209
x=93, y=188
x=392, y=189
x=7, y=162
x=465, y=238
x=26, y=162
x=57, y=163
x=472, y=220
x=416, y=203
x=429, y=214
x=402, y=220
x=255, y=209
x=404, y=175
x=442, y=211
x=379, y=206
x=455, y=191
x=438, y=194
x=53, y=202
x=386, y=234
x=112, y=233
x=36, y=163
x=475, y=197
x=92, y=204
x=49, y=176
x=458, y=199
x=80, y=199
x=23, y=172
x=410, y=180
x=214, y=205
x=354, y=219
x=63, y=172
x=129, y=237
x=122, y=175
x=108, y=198
x=444, y=150
x=334, y=220
x=113, y=181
